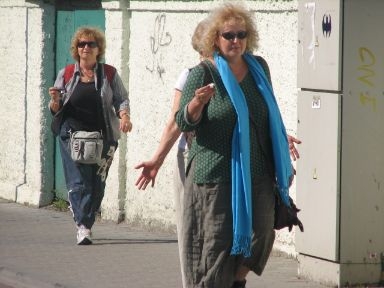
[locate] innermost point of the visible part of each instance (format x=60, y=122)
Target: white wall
x=149, y=43
x=24, y=174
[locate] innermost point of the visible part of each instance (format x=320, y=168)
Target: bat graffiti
x=327, y=25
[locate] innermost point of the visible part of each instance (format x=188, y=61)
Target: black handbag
x=286, y=216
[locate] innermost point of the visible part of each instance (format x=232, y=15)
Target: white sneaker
x=84, y=236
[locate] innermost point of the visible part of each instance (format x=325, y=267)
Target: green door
x=67, y=23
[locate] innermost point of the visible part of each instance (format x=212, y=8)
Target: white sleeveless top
x=179, y=85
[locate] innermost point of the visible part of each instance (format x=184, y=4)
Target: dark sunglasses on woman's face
x=91, y=44
x=232, y=35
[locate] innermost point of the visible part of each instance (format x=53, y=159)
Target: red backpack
x=109, y=71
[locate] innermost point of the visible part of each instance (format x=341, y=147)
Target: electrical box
x=340, y=174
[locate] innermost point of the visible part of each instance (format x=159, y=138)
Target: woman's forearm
x=194, y=110
x=170, y=134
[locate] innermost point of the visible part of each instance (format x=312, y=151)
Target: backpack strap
x=109, y=72
x=208, y=78
x=69, y=69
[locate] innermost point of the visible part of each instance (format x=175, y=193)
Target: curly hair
x=223, y=14
x=198, y=36
x=89, y=32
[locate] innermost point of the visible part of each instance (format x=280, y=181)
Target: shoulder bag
x=86, y=147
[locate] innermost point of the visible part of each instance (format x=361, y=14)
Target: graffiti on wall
x=367, y=68
x=159, y=39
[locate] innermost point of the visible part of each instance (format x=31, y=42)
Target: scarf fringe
x=241, y=245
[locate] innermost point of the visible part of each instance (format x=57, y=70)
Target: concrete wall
x=27, y=61
x=149, y=43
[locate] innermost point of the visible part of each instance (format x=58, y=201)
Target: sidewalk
x=38, y=250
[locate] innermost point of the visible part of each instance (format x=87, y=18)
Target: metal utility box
x=340, y=175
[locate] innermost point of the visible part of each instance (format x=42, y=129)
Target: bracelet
x=125, y=114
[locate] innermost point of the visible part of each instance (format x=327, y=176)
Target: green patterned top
x=211, y=148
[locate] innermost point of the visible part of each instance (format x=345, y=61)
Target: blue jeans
x=85, y=182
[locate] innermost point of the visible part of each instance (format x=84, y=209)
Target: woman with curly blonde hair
x=238, y=156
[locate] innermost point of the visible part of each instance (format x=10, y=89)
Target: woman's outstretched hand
x=148, y=174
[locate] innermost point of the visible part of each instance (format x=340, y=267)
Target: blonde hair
x=223, y=14
x=89, y=32
x=198, y=36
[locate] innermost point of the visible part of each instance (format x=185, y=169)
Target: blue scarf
x=240, y=164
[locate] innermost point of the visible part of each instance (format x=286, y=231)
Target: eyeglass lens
x=232, y=35
x=91, y=44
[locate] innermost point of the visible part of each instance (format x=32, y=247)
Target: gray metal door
x=318, y=171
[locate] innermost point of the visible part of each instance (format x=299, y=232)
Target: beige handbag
x=86, y=147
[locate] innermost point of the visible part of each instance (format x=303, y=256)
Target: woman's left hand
x=292, y=148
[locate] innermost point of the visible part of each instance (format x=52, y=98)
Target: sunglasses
x=91, y=44
x=232, y=35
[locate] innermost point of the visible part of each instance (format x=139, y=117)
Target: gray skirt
x=179, y=180
x=207, y=232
